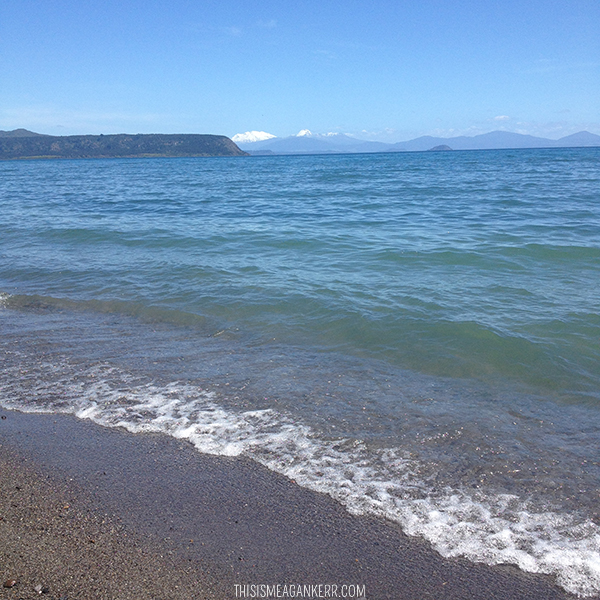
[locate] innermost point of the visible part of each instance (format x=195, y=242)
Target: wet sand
x=96, y=513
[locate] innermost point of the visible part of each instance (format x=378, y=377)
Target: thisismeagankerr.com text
x=261, y=590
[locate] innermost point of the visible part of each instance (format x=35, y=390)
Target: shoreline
x=182, y=524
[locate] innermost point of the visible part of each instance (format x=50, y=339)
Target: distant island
x=21, y=143
x=440, y=148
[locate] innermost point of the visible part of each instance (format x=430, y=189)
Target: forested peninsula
x=25, y=144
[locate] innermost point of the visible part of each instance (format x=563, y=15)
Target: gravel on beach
x=55, y=544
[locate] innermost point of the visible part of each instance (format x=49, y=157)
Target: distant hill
x=18, y=133
x=495, y=140
x=340, y=143
x=313, y=143
x=15, y=145
x=295, y=145
x=583, y=138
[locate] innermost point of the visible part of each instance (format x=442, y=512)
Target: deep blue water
x=416, y=334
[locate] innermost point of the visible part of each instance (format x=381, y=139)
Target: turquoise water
x=416, y=334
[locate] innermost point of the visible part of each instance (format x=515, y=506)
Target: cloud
x=251, y=136
x=387, y=134
x=502, y=118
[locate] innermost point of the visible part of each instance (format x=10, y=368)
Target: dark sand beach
x=95, y=513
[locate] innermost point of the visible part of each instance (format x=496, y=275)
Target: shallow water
x=415, y=334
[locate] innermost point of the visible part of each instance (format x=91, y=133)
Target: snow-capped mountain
x=306, y=142
x=251, y=136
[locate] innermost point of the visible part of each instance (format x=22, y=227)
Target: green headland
x=21, y=143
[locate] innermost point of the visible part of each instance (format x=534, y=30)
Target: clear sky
x=388, y=70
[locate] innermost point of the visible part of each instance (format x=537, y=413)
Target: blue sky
x=387, y=70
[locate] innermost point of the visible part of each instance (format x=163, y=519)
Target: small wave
x=482, y=527
x=143, y=312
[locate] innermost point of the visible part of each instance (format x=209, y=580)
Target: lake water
x=415, y=334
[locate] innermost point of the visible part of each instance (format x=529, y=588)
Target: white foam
x=4, y=299
x=480, y=527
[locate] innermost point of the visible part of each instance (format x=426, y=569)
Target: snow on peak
x=251, y=136
x=304, y=133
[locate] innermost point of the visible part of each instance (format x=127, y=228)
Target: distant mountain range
x=309, y=143
x=21, y=143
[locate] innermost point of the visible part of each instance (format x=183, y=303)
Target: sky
x=381, y=70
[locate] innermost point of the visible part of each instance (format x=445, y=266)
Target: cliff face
x=113, y=146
